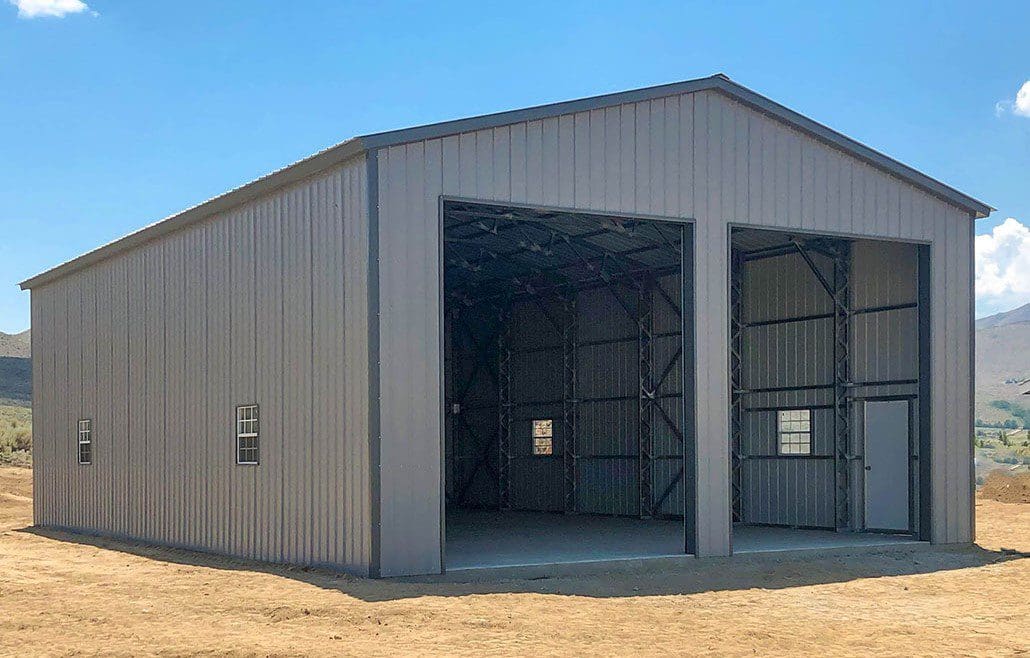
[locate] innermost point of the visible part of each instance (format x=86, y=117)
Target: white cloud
x=52, y=8
x=1003, y=268
x=1020, y=106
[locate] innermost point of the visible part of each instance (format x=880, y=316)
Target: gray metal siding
x=265, y=303
x=700, y=156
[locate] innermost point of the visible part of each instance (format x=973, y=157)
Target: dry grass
x=62, y=594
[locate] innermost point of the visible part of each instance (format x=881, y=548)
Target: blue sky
x=119, y=113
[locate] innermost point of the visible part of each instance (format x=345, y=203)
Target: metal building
x=677, y=320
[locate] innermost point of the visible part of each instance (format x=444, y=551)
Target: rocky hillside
x=16, y=345
x=1015, y=316
x=1002, y=364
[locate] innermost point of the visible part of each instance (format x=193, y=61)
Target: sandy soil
x=62, y=594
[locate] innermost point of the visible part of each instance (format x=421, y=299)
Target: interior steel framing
x=634, y=285
x=846, y=392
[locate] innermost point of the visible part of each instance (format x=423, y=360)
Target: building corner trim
x=972, y=377
x=374, y=417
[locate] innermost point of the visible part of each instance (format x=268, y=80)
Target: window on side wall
x=794, y=430
x=85, y=441
x=247, y=434
x=543, y=437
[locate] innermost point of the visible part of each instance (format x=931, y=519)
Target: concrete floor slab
x=764, y=539
x=491, y=540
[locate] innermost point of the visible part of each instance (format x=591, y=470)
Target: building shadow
x=689, y=576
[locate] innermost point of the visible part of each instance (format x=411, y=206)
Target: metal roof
x=358, y=145
x=500, y=251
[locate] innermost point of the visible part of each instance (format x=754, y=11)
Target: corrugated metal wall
x=266, y=304
x=795, y=491
x=698, y=156
x=799, y=491
x=884, y=345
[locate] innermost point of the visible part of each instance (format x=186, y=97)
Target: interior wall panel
x=883, y=347
x=607, y=462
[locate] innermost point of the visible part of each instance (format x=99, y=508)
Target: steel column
x=569, y=411
x=504, y=408
x=841, y=294
x=736, y=381
x=839, y=290
x=646, y=399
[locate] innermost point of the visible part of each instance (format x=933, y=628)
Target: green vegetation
x=1017, y=410
x=15, y=435
x=1006, y=449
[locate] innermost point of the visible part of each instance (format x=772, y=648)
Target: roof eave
x=497, y=119
x=851, y=146
x=718, y=82
x=358, y=145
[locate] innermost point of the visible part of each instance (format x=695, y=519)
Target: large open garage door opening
x=830, y=444
x=565, y=361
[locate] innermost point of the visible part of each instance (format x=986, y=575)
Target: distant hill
x=15, y=381
x=1015, y=316
x=15, y=368
x=1002, y=363
x=19, y=345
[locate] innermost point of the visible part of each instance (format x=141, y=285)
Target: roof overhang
x=358, y=145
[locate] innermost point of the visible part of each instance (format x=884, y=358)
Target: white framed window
x=247, y=434
x=794, y=431
x=85, y=441
x=543, y=437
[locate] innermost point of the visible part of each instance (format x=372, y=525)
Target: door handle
x=868, y=468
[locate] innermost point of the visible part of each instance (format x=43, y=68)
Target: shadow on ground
x=742, y=572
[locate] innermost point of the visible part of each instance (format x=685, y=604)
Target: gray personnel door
x=887, y=465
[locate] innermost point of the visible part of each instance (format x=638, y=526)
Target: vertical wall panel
x=88, y=376
x=137, y=400
x=154, y=464
x=410, y=360
x=242, y=380
x=219, y=421
x=195, y=430
x=41, y=377
x=102, y=406
x=174, y=459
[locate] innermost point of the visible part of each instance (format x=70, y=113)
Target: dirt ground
x=1007, y=488
x=65, y=594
